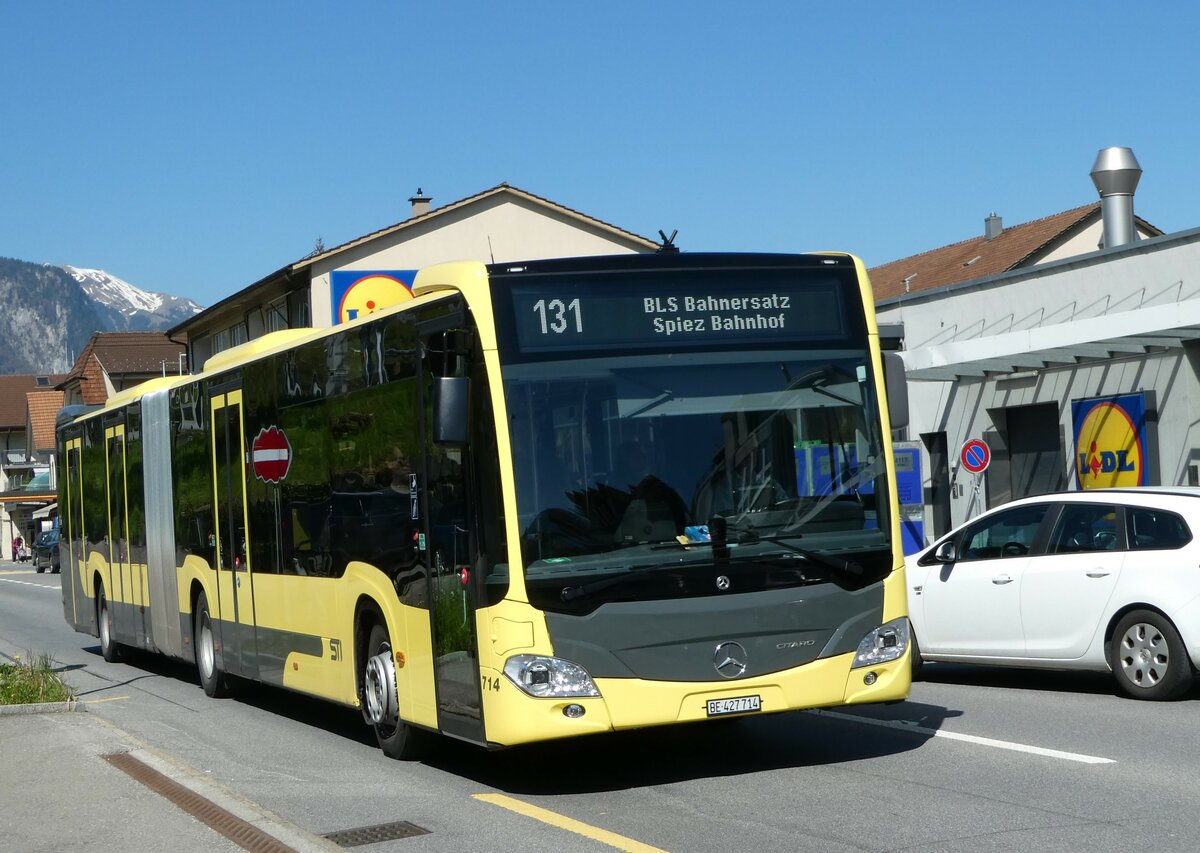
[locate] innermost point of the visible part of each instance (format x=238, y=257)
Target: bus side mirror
x=451, y=395
x=896, y=383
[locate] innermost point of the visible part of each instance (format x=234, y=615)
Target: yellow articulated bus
x=535, y=501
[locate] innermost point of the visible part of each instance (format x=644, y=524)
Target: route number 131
x=557, y=316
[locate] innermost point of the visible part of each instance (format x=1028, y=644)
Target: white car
x=1104, y=580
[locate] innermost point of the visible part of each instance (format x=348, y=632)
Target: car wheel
x=109, y=648
x=37, y=565
x=915, y=652
x=211, y=677
x=396, y=738
x=1148, y=657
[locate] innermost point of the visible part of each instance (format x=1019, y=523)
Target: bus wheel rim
x=206, y=647
x=380, y=689
x=105, y=636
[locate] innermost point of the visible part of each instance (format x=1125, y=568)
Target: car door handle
x=1000, y=580
x=1098, y=573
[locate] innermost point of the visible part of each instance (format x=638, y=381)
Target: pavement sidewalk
x=59, y=792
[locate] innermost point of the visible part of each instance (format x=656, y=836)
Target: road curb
x=42, y=708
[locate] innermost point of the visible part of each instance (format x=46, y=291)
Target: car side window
x=1084, y=528
x=1009, y=533
x=1155, y=529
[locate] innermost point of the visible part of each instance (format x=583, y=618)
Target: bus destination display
x=569, y=315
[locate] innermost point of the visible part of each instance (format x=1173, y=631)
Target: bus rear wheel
x=109, y=648
x=380, y=705
x=212, y=679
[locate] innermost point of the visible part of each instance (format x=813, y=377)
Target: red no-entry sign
x=976, y=455
x=270, y=455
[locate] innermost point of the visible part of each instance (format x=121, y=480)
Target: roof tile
x=43, y=409
x=980, y=257
x=13, y=404
x=123, y=353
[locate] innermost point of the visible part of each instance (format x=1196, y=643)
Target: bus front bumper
x=513, y=717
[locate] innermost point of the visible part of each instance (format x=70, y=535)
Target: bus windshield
x=627, y=462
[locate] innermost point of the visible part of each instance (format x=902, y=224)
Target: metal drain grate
x=374, y=834
x=245, y=835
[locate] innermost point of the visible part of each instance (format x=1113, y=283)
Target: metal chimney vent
x=1116, y=175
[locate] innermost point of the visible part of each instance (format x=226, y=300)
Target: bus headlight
x=885, y=643
x=549, y=677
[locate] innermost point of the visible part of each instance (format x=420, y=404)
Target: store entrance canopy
x=1146, y=330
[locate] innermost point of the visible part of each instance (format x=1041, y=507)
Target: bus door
x=72, y=533
x=119, y=583
x=234, y=609
x=449, y=548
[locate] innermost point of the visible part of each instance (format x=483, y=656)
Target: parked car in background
x=45, y=551
x=1097, y=580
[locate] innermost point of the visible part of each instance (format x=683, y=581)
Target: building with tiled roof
x=28, y=405
x=500, y=224
x=998, y=250
x=114, y=361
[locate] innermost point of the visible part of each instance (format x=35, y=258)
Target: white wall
x=1086, y=241
x=495, y=230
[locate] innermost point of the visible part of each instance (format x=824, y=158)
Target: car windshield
x=634, y=462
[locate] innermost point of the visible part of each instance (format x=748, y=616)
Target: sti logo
x=1109, y=442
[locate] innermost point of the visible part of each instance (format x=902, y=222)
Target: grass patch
x=32, y=682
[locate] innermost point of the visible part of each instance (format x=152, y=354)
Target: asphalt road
x=977, y=760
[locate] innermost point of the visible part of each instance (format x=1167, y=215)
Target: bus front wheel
x=211, y=677
x=380, y=706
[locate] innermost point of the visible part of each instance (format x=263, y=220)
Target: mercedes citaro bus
x=533, y=501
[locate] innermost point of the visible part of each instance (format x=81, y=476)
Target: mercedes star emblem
x=730, y=659
x=722, y=582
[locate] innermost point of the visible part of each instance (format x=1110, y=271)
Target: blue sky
x=192, y=148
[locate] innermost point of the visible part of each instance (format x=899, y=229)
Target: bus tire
x=211, y=678
x=109, y=648
x=396, y=738
x=915, y=653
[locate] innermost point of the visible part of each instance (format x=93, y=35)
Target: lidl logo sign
x=1110, y=441
x=357, y=293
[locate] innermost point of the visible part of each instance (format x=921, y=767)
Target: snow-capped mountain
x=134, y=303
x=51, y=311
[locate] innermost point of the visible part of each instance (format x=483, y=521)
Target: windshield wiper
x=571, y=593
x=853, y=568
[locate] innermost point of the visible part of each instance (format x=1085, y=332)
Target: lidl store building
x=1075, y=373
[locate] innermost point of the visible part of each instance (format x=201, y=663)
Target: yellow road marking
x=571, y=825
x=108, y=699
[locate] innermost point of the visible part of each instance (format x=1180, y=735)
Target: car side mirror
x=946, y=552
